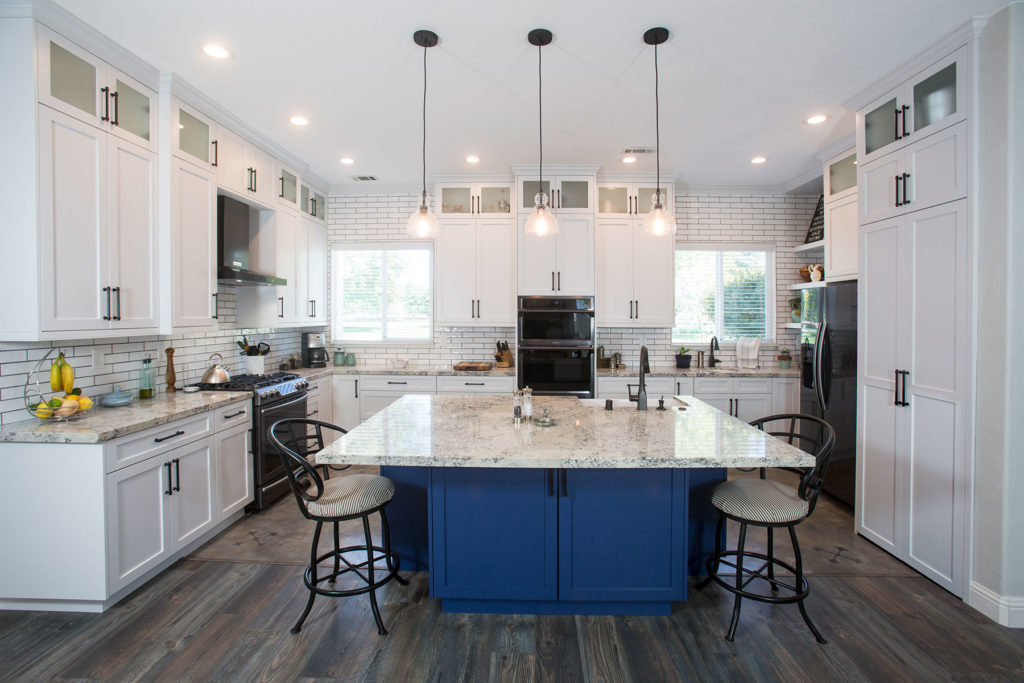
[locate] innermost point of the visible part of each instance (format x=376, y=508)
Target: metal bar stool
x=353, y=496
x=772, y=505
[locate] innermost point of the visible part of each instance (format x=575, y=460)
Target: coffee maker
x=314, y=350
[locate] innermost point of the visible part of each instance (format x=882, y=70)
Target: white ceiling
x=737, y=77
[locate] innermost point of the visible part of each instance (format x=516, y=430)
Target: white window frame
x=771, y=295
x=336, y=303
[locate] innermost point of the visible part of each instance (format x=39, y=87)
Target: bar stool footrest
x=797, y=593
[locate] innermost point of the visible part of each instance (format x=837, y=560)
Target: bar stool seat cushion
x=352, y=494
x=759, y=500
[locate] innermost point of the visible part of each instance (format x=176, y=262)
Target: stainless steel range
x=275, y=396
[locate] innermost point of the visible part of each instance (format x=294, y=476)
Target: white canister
x=255, y=365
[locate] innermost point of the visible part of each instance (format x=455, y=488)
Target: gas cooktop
x=265, y=388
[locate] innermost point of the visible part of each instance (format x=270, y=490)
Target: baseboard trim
x=1002, y=609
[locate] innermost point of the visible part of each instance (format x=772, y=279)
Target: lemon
x=44, y=411
x=84, y=402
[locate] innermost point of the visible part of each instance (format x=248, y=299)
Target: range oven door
x=270, y=481
x=557, y=371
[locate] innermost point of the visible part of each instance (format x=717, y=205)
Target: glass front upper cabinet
x=842, y=175
x=288, y=187
x=935, y=97
x=131, y=109
x=193, y=135
x=564, y=194
x=466, y=199
x=73, y=78
x=614, y=199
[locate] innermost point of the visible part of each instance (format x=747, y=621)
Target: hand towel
x=747, y=351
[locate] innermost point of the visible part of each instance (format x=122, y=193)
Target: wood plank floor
x=225, y=613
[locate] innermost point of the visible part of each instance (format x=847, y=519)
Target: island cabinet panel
x=621, y=535
x=494, y=534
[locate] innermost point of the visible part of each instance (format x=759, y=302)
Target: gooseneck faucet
x=712, y=361
x=645, y=367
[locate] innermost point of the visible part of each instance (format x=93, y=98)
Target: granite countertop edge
x=317, y=373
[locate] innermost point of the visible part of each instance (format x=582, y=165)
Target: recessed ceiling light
x=758, y=160
x=348, y=161
x=299, y=120
x=816, y=119
x=216, y=51
x=473, y=159
x=629, y=160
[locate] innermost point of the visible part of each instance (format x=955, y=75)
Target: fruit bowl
x=62, y=405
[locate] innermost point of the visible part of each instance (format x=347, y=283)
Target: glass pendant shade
x=541, y=222
x=660, y=221
x=422, y=224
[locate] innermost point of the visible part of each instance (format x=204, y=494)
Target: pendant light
x=541, y=222
x=660, y=220
x=423, y=224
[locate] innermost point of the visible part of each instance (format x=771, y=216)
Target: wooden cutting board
x=473, y=366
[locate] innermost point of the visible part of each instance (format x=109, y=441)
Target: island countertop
x=478, y=431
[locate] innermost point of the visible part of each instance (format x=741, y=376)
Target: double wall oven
x=555, y=345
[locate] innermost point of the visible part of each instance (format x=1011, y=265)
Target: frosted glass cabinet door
x=193, y=136
x=528, y=191
x=132, y=115
x=287, y=187
x=644, y=199
x=938, y=93
x=457, y=200
x=494, y=199
x=880, y=126
x=573, y=195
x=69, y=78
x=614, y=200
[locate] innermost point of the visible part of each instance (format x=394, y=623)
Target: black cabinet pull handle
x=240, y=412
x=903, y=389
x=898, y=179
x=552, y=280
x=896, y=389
x=106, y=104
x=177, y=474
x=117, y=291
x=730, y=406
x=559, y=281
x=113, y=96
x=630, y=309
x=356, y=388
x=168, y=491
x=737, y=413
x=312, y=204
x=215, y=305
x=255, y=179
x=637, y=309
x=471, y=309
x=281, y=314
x=107, y=291
x=906, y=177
x=161, y=439
x=390, y=382
x=905, y=109
x=282, y=187
x=565, y=483
x=314, y=308
x=473, y=384
x=216, y=153
x=313, y=413
x=896, y=125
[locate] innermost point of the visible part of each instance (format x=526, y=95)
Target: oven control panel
x=280, y=389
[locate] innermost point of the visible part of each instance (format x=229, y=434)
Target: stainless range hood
x=233, y=246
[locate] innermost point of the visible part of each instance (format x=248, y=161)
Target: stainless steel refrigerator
x=828, y=369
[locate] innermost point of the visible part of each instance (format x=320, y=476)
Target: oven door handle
x=300, y=397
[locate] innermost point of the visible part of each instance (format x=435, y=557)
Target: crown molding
x=847, y=142
x=553, y=170
x=643, y=177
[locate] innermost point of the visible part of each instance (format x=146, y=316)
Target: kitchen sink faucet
x=641, y=392
x=712, y=361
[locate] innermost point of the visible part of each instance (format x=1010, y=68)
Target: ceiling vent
x=639, y=150
x=364, y=178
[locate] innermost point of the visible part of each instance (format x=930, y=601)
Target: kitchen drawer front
x=712, y=385
x=398, y=383
x=233, y=415
x=615, y=387
x=156, y=440
x=475, y=385
x=660, y=386
x=753, y=385
x=684, y=386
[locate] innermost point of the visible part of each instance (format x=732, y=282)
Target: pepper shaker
x=527, y=404
x=517, y=406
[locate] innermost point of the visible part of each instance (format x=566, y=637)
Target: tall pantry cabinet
x=914, y=394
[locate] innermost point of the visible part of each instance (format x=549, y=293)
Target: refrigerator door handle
x=818, y=344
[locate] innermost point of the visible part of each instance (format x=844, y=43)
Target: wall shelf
x=792, y=326
x=808, y=285
x=810, y=246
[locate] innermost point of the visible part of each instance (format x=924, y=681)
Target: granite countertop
x=721, y=371
x=413, y=369
x=477, y=431
x=103, y=424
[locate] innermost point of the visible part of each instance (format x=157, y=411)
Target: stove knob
x=271, y=393
x=302, y=384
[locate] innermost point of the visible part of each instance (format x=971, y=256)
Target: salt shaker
x=517, y=406
x=527, y=404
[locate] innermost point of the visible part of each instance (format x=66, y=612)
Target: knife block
x=505, y=359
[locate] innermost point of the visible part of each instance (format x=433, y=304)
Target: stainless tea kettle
x=216, y=374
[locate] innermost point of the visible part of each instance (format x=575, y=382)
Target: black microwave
x=547, y=321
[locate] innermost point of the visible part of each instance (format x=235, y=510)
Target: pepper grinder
x=170, y=376
x=527, y=404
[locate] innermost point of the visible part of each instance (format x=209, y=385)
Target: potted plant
x=784, y=358
x=683, y=357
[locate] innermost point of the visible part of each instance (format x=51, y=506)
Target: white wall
x=741, y=217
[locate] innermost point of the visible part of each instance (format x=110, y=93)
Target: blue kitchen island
x=606, y=512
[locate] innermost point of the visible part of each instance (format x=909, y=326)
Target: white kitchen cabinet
x=492, y=386
x=840, y=241
x=377, y=392
x=193, y=136
x=312, y=202
x=97, y=225
x=634, y=275
x=567, y=194
x=320, y=405
x=928, y=172
x=287, y=189
x=79, y=84
x=785, y=395
x=746, y=398
x=346, y=401
x=557, y=264
x=234, y=474
x=475, y=272
x=191, y=499
x=316, y=271
x=631, y=199
x=466, y=199
x=934, y=98
x=913, y=389
x=193, y=247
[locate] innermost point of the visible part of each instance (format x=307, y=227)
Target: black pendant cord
x=425, y=124
x=657, y=132
x=540, y=122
